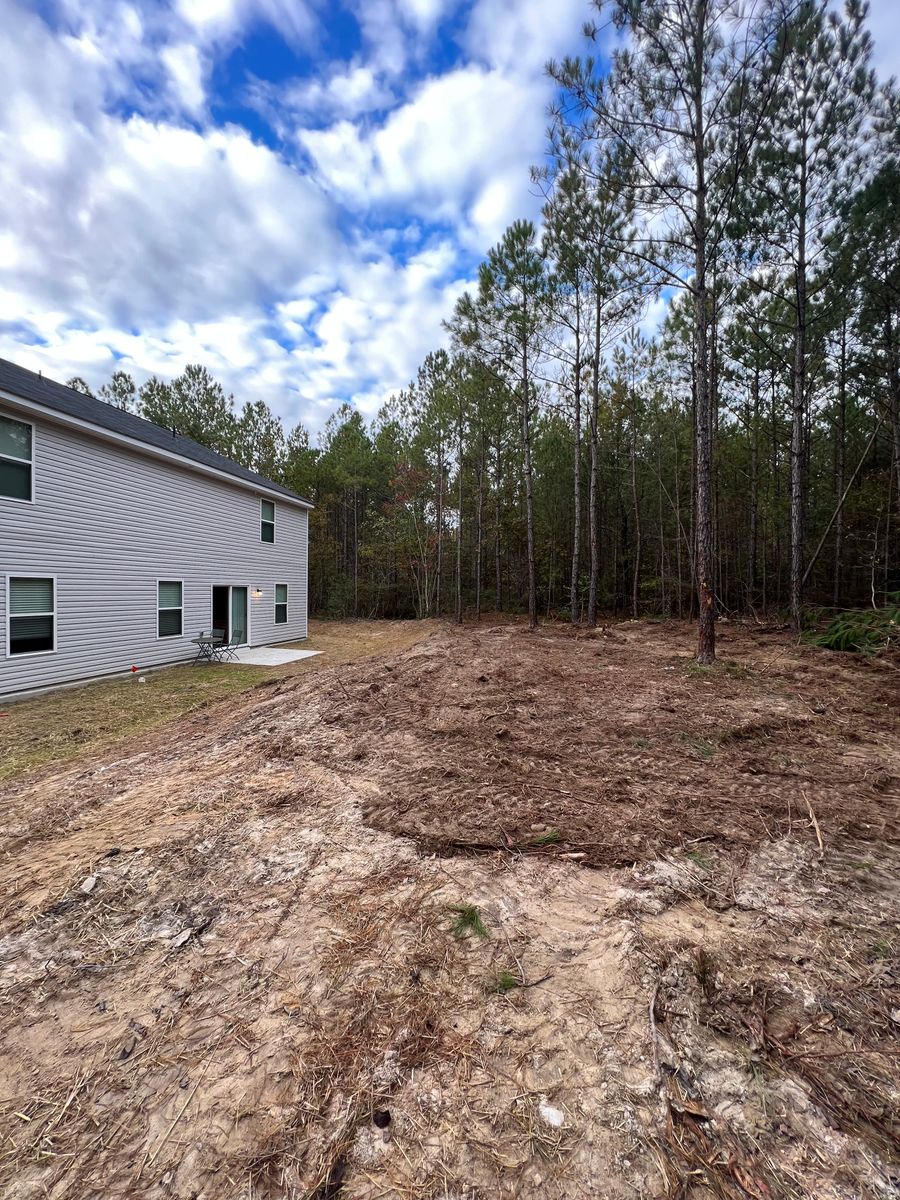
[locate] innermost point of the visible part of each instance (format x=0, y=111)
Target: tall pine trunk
x=840, y=467
x=594, y=487
x=754, y=488
x=576, y=491
x=459, y=527
x=440, y=526
x=498, y=526
x=479, y=523
x=798, y=405
x=636, y=574
x=892, y=350
x=529, y=488
x=706, y=652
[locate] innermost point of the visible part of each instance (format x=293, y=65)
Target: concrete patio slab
x=270, y=656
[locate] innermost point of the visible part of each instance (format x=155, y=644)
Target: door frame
x=231, y=586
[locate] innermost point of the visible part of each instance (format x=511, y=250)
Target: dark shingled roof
x=29, y=386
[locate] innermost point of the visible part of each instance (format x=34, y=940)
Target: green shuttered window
x=169, y=608
x=267, y=523
x=281, y=603
x=16, y=459
x=32, y=615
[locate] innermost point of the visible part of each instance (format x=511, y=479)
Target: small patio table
x=209, y=647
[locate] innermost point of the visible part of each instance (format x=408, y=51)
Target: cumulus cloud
x=218, y=20
x=438, y=155
x=348, y=92
x=185, y=69
x=307, y=265
x=519, y=36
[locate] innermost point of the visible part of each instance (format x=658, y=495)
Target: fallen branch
x=812, y=817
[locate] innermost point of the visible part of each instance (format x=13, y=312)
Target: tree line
x=743, y=164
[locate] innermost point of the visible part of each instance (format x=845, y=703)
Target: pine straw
x=483, y=741
x=379, y=1020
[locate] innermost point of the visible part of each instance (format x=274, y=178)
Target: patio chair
x=228, y=650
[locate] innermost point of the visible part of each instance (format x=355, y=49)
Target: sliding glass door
x=229, y=612
x=239, y=614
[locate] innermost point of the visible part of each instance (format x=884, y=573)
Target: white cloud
x=221, y=20
x=519, y=36
x=450, y=153
x=425, y=14
x=130, y=218
x=185, y=70
x=362, y=335
x=132, y=237
x=351, y=91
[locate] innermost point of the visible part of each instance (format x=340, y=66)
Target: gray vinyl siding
x=108, y=523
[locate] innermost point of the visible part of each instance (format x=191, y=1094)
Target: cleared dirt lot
x=482, y=913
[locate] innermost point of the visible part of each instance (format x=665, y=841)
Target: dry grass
x=72, y=722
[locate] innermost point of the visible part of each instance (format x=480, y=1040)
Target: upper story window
x=16, y=459
x=267, y=523
x=169, y=608
x=32, y=615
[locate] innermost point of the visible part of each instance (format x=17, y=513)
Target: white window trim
x=31, y=653
x=265, y=521
x=16, y=499
x=167, y=637
x=275, y=604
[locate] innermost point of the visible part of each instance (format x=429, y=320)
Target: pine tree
x=512, y=307
x=678, y=98
x=810, y=150
x=121, y=392
x=194, y=405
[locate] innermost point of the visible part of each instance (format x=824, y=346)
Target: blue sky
x=293, y=192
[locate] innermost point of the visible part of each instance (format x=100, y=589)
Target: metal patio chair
x=228, y=650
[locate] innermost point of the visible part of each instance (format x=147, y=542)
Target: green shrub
x=863, y=631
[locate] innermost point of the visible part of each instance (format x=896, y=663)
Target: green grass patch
x=702, y=746
x=503, y=982
x=881, y=948
x=698, y=858
x=550, y=838
x=698, y=669
x=731, y=670
x=468, y=921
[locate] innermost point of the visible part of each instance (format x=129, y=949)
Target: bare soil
x=471, y=913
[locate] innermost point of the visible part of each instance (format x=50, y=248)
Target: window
x=16, y=459
x=281, y=603
x=32, y=615
x=169, y=608
x=267, y=525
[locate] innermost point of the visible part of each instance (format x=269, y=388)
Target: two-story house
x=120, y=541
